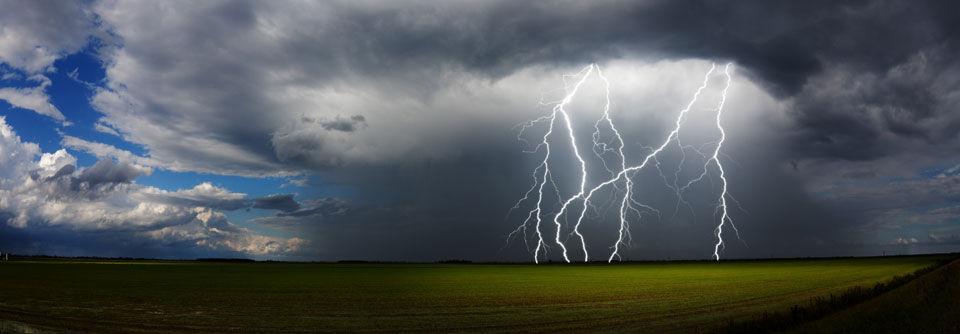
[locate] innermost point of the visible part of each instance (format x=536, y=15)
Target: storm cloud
x=838, y=109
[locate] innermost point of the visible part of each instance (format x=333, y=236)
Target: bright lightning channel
x=543, y=174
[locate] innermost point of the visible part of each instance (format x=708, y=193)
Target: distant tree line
x=223, y=259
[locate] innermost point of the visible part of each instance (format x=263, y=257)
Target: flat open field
x=158, y=296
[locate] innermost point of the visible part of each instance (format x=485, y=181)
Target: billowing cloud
x=211, y=229
x=210, y=196
x=315, y=211
x=34, y=34
x=282, y=202
x=344, y=124
x=16, y=156
x=52, y=165
x=52, y=194
x=109, y=172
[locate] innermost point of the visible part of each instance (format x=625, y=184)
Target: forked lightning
x=620, y=177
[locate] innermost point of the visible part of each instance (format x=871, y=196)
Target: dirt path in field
x=928, y=304
x=7, y=326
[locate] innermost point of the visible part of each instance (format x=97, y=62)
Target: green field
x=157, y=296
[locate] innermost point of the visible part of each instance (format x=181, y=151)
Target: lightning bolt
x=621, y=178
x=722, y=207
x=540, y=182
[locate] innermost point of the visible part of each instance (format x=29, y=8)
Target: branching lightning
x=722, y=207
x=620, y=176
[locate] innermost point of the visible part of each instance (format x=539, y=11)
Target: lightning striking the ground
x=621, y=178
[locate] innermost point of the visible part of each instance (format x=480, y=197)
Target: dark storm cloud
x=344, y=124
x=443, y=209
x=868, y=81
x=782, y=42
x=258, y=88
x=807, y=52
x=320, y=206
x=63, y=171
x=228, y=201
x=108, y=171
x=424, y=211
x=314, y=211
x=282, y=202
x=858, y=115
x=862, y=74
x=105, y=172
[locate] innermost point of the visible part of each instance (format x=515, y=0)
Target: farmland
x=187, y=296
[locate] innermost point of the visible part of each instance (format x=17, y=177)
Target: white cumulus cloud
x=52, y=193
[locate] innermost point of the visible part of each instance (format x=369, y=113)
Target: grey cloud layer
x=32, y=36
x=35, y=34
x=237, y=83
x=854, y=93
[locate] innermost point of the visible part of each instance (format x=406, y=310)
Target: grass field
x=157, y=296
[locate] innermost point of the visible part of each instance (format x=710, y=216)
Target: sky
x=400, y=131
